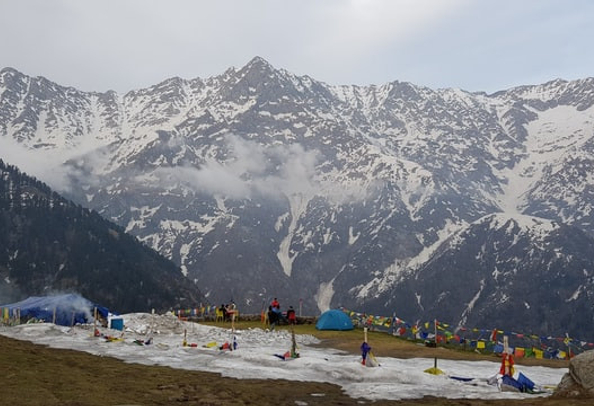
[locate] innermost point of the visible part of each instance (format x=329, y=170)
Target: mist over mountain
x=50, y=245
x=260, y=183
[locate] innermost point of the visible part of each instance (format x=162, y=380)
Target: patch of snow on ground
x=254, y=358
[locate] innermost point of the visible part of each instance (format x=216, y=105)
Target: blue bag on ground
x=527, y=384
x=509, y=381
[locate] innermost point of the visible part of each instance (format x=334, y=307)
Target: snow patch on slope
x=298, y=205
x=395, y=272
x=536, y=226
x=551, y=136
x=471, y=304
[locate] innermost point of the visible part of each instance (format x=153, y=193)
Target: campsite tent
x=68, y=309
x=334, y=320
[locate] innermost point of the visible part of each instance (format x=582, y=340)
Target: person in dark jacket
x=272, y=318
x=291, y=316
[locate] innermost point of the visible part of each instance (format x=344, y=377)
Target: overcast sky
x=475, y=45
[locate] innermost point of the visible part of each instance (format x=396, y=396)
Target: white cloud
x=476, y=45
x=47, y=165
x=44, y=165
x=250, y=169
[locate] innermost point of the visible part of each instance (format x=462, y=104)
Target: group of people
x=275, y=316
x=228, y=310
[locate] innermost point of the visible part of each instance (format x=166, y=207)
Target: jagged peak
x=10, y=75
x=10, y=71
x=258, y=67
x=174, y=81
x=259, y=63
x=528, y=89
x=575, y=92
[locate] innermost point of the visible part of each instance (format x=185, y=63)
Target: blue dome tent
x=67, y=309
x=334, y=320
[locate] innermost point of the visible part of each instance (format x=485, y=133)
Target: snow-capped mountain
x=519, y=273
x=261, y=183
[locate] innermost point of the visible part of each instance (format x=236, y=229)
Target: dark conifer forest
x=51, y=245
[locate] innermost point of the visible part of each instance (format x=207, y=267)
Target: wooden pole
x=293, y=342
x=152, y=322
x=94, y=321
x=54, y=316
x=364, y=347
x=435, y=332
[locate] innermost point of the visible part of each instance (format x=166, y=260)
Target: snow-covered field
x=254, y=358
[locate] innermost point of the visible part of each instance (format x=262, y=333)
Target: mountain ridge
x=280, y=183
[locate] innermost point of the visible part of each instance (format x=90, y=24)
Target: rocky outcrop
x=579, y=381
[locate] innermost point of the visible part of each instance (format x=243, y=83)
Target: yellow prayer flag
x=480, y=345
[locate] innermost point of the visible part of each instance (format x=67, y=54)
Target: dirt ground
x=37, y=375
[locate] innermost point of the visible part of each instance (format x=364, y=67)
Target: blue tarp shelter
x=67, y=308
x=334, y=320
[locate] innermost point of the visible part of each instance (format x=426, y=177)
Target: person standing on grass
x=272, y=318
x=291, y=316
x=223, y=310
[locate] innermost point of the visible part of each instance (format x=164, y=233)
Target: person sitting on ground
x=281, y=317
x=291, y=316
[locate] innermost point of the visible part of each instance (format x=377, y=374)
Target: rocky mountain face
x=523, y=274
x=50, y=245
x=261, y=183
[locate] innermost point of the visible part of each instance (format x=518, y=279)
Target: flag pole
x=434, y=370
x=435, y=340
x=94, y=334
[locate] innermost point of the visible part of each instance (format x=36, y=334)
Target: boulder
x=579, y=381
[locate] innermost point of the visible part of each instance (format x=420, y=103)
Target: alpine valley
x=472, y=208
